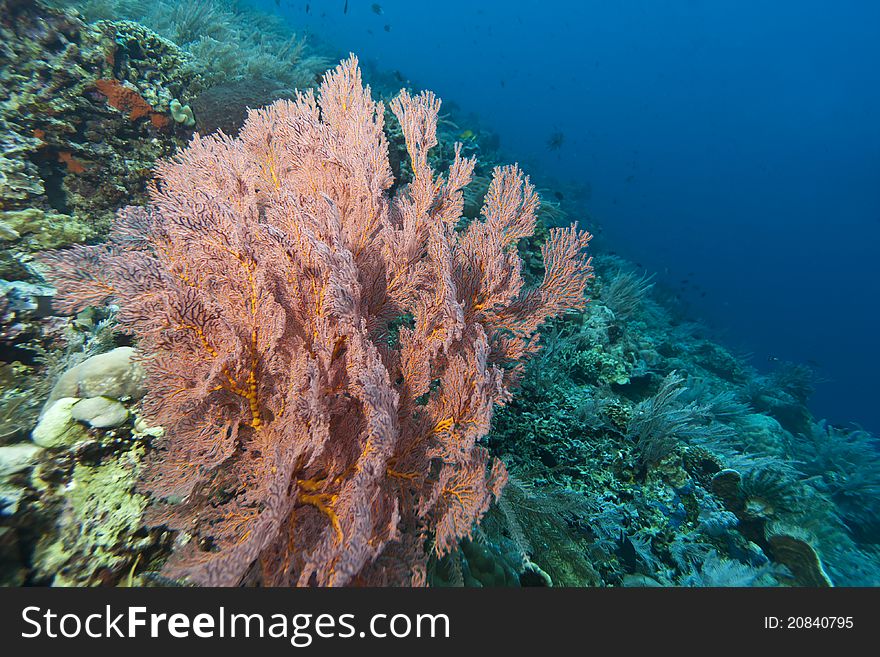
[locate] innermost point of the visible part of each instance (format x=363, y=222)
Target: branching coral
x=228, y=39
x=846, y=465
x=625, y=293
x=324, y=357
x=662, y=422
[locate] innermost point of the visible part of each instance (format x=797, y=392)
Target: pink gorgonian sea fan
x=324, y=357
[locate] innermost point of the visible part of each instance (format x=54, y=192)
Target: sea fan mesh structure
x=325, y=358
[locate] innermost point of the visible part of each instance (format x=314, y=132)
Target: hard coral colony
x=325, y=357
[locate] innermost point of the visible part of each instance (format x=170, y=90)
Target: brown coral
x=73, y=165
x=128, y=100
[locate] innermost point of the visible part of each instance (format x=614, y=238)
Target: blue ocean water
x=731, y=147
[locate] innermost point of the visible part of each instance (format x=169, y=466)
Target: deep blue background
x=734, y=143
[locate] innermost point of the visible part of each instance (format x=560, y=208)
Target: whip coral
x=325, y=357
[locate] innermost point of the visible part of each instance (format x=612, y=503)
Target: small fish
x=387, y=28
x=467, y=134
x=559, y=196
x=377, y=8
x=773, y=359
x=345, y=9
x=308, y=8
x=554, y=143
x=503, y=84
